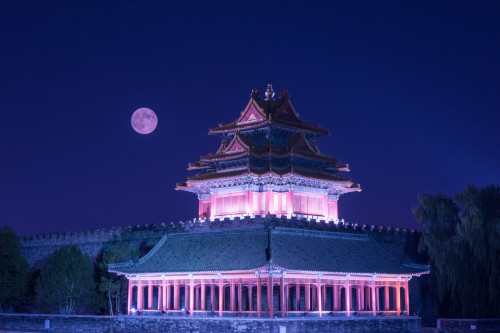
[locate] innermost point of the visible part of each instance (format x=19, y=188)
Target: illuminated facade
x=269, y=241
x=268, y=163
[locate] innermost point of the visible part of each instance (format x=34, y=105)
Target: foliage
x=14, y=270
x=113, y=286
x=66, y=281
x=462, y=239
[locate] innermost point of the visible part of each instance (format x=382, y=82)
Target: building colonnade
x=289, y=296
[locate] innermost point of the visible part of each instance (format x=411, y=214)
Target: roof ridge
x=236, y=230
x=323, y=233
x=153, y=250
x=400, y=261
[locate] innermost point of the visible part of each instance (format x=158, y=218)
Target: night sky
x=408, y=89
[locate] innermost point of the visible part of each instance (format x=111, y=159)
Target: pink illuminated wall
x=258, y=203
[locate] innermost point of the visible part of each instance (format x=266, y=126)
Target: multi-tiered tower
x=269, y=163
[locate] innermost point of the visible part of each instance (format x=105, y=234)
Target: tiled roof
x=203, y=252
x=319, y=251
x=291, y=249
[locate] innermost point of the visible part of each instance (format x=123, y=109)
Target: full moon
x=144, y=121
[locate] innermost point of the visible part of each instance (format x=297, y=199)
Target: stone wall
x=468, y=325
x=91, y=324
x=37, y=248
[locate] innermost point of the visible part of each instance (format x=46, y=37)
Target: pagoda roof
x=259, y=113
x=248, y=249
x=240, y=146
x=313, y=174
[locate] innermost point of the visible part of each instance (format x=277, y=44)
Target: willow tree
x=462, y=238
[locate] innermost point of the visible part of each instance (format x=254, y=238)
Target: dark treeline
x=460, y=237
x=68, y=283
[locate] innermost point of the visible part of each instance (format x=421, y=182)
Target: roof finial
x=269, y=92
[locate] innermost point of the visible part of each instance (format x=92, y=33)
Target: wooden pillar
x=191, y=297
x=319, y=296
x=240, y=297
x=186, y=296
x=177, y=296
x=159, y=298
x=398, y=297
x=150, y=295
x=212, y=296
x=259, y=296
x=297, y=297
x=407, y=298
x=169, y=305
x=203, y=294
x=282, y=296
x=307, y=295
x=129, y=296
x=348, y=296
x=362, y=298
x=373, y=291
x=140, y=295
x=386, y=307
x=249, y=297
x=336, y=297
x=313, y=294
x=231, y=296
x=164, y=295
x=323, y=297
x=221, y=296
x=270, y=306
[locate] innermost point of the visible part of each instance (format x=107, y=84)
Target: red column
x=319, y=296
x=240, y=298
x=398, y=297
x=335, y=297
x=323, y=297
x=270, y=295
x=177, y=296
x=373, y=294
x=282, y=296
x=221, y=296
x=307, y=295
x=231, y=296
x=297, y=297
x=129, y=296
x=169, y=306
x=387, y=296
x=186, y=296
x=407, y=298
x=269, y=202
x=191, y=297
x=150, y=295
x=259, y=296
x=164, y=295
x=249, y=297
x=140, y=295
x=348, y=296
x=212, y=296
x=159, y=298
x=203, y=293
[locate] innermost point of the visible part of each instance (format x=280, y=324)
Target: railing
x=264, y=313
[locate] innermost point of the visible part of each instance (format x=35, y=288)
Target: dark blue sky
x=409, y=90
